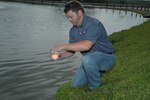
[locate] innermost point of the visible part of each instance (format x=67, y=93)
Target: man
x=89, y=37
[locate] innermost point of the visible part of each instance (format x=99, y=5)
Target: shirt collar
x=83, y=22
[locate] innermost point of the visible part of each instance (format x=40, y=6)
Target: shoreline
x=114, y=6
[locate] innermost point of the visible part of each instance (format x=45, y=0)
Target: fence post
x=114, y=6
x=141, y=7
x=132, y=7
x=106, y=5
x=126, y=7
x=148, y=8
x=120, y=6
x=144, y=8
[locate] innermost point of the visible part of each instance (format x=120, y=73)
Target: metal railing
x=126, y=6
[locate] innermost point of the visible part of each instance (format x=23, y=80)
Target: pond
x=27, y=32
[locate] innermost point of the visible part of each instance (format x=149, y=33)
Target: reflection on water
x=116, y=20
x=26, y=34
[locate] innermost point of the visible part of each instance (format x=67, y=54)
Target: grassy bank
x=130, y=77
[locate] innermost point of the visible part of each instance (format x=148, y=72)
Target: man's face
x=73, y=17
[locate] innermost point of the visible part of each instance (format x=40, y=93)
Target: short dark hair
x=73, y=5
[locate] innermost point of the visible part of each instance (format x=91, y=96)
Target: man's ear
x=80, y=13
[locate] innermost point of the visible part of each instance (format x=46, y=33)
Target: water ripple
x=23, y=78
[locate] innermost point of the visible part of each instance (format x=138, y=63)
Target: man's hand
x=55, y=52
x=54, y=55
x=63, y=54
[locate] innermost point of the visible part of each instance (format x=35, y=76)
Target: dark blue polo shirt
x=93, y=30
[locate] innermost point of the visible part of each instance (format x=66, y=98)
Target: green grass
x=130, y=77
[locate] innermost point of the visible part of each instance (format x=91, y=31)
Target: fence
x=126, y=6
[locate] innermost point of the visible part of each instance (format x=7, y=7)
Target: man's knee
x=87, y=61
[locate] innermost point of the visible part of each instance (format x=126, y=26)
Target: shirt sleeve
x=94, y=30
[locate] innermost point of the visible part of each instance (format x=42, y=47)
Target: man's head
x=74, y=12
x=73, y=5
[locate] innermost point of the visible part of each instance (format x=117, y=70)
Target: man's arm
x=66, y=54
x=67, y=50
x=80, y=46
